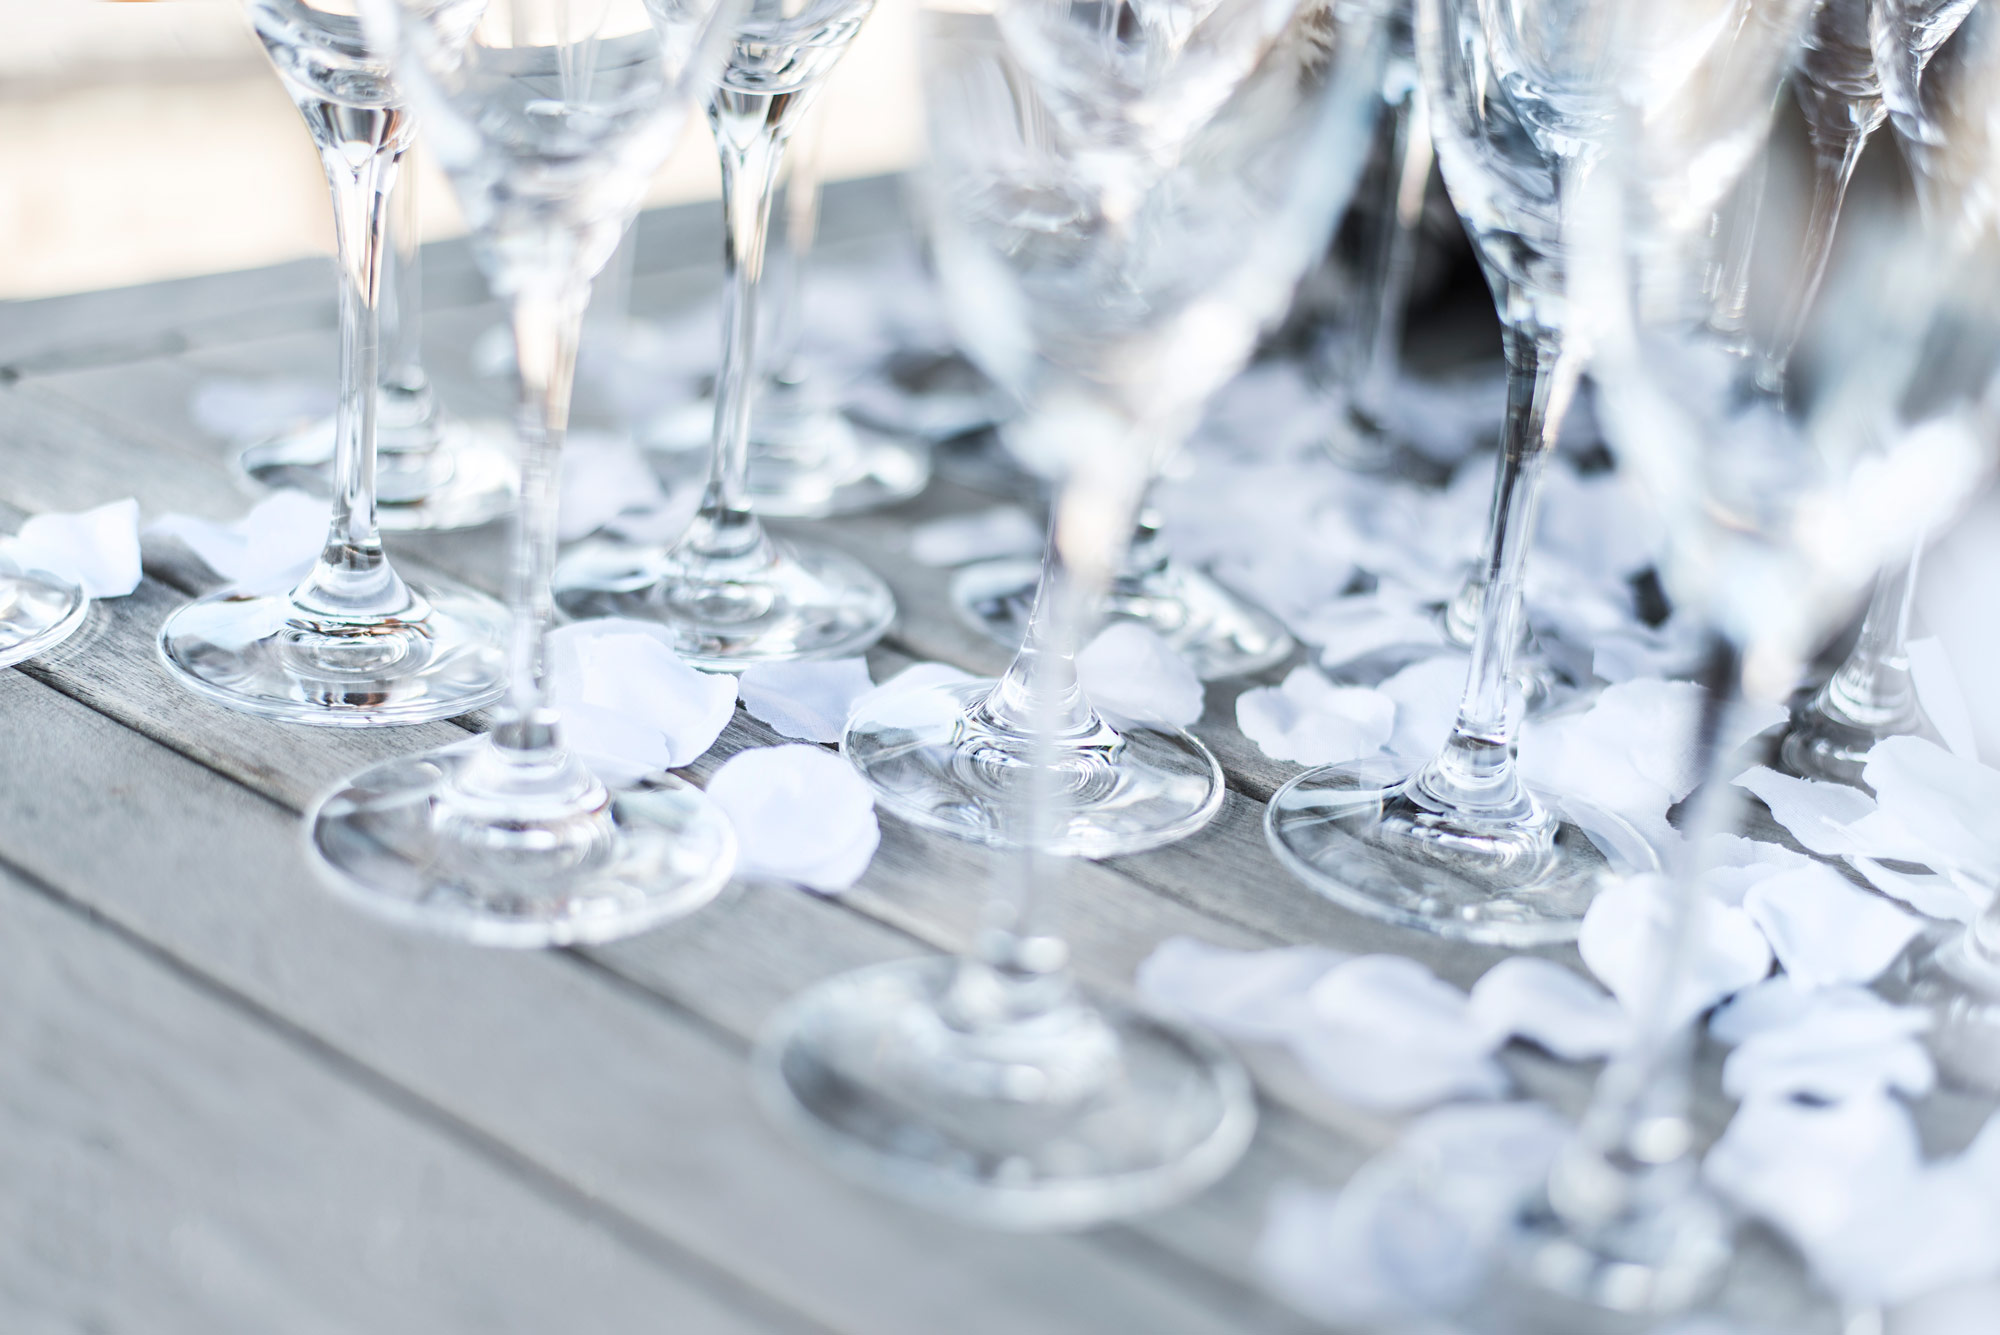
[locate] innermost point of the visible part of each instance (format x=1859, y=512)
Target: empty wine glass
x=809, y=456
x=354, y=644
x=1871, y=694
x=732, y=594
x=38, y=611
x=1519, y=97
x=549, y=117
x=1778, y=510
x=433, y=469
x=1094, y=251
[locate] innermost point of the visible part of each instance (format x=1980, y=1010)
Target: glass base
x=405, y=841
x=800, y=602
x=1354, y=834
x=261, y=654
x=1669, y=1262
x=37, y=613
x=805, y=464
x=467, y=478
x=1821, y=745
x=935, y=759
x=1948, y=973
x=1073, y=1117
x=1219, y=634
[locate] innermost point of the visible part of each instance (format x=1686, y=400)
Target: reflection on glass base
x=1823, y=745
x=1073, y=1117
x=1556, y=1283
x=37, y=612
x=805, y=464
x=801, y=602
x=1950, y=974
x=1349, y=832
x=1220, y=634
x=936, y=759
x=468, y=478
x=400, y=841
x=261, y=654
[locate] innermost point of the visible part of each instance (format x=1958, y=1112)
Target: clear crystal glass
x=433, y=470
x=1083, y=183
x=354, y=644
x=732, y=594
x=38, y=611
x=549, y=118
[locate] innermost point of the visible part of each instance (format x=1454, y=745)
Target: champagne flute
x=354, y=644
x=433, y=470
x=549, y=116
x=1519, y=94
x=1091, y=247
x=731, y=593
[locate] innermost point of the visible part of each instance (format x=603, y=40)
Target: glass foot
x=1220, y=634
x=796, y=602
x=805, y=464
x=263, y=654
x=1072, y=1117
x=37, y=612
x=936, y=759
x=1666, y=1259
x=1950, y=974
x=1822, y=745
x=467, y=478
x=1354, y=834
x=580, y=863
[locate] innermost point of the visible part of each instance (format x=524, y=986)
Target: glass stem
x=784, y=307
x=1872, y=689
x=750, y=133
x=548, y=322
x=1630, y=1158
x=403, y=321
x=1039, y=688
x=352, y=578
x=1836, y=151
x=1394, y=264
x=1474, y=772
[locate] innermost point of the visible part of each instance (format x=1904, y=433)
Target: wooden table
x=229, y=1103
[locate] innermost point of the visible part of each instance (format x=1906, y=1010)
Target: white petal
x=1250, y=994
x=1626, y=931
x=1544, y=1003
x=806, y=700
x=1816, y=813
x=1313, y=722
x=628, y=669
x=801, y=814
x=97, y=550
x=1130, y=673
x=1824, y=929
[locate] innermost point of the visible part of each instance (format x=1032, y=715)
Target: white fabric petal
x=1426, y=694
x=801, y=814
x=1389, y=1035
x=268, y=549
x=1834, y=1053
x=1366, y=623
x=1826, y=930
x=1932, y=807
x=805, y=700
x=1548, y=1005
x=633, y=700
x=96, y=550
x=1940, y=696
x=1130, y=673
x=1815, y=813
x=921, y=695
x=603, y=477
x=982, y=535
x=1260, y=995
x=1625, y=935
x=1311, y=721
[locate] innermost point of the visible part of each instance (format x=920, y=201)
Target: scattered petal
x=1940, y=696
x=1816, y=814
x=1832, y=1052
x=1313, y=722
x=1826, y=930
x=96, y=550
x=1129, y=672
x=1388, y=1034
x=629, y=704
x=1260, y=995
x=807, y=700
x=801, y=815
x=922, y=695
x=982, y=535
x=268, y=549
x=603, y=478
x=1427, y=696
x=1548, y=1005
x=1626, y=932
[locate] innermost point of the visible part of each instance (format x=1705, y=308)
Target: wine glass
x=1519, y=96
x=1870, y=695
x=809, y=456
x=732, y=594
x=1778, y=510
x=549, y=117
x=433, y=470
x=38, y=611
x=354, y=644
x=1093, y=247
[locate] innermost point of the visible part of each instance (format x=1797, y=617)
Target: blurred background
x=151, y=140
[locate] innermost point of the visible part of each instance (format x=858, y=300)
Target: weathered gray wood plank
x=176, y=1167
